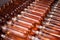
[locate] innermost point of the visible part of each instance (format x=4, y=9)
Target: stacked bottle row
x=11, y=9
x=51, y=26
x=7, y=8
x=27, y=24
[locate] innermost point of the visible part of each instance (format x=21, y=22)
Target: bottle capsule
x=34, y=38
